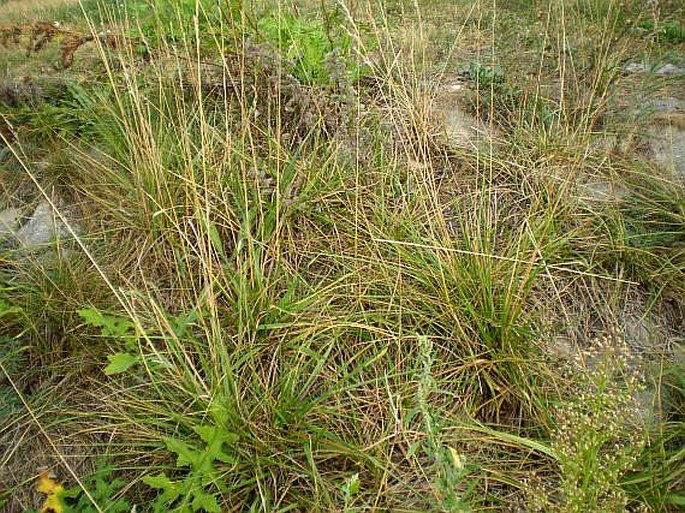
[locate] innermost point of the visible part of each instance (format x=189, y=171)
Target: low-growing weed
x=101, y=492
x=600, y=430
x=104, y=490
x=309, y=46
x=119, y=329
x=349, y=489
x=197, y=490
x=672, y=32
x=453, y=480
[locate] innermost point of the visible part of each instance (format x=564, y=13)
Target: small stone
x=602, y=191
x=669, y=69
x=635, y=67
x=41, y=228
x=669, y=105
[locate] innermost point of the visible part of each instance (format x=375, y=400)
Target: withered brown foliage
x=258, y=76
x=34, y=36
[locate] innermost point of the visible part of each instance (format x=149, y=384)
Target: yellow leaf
x=53, y=504
x=47, y=485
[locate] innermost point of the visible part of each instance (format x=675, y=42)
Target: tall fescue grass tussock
x=303, y=299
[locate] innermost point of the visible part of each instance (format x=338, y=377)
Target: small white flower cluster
x=598, y=436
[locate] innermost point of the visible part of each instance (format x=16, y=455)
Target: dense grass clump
x=281, y=287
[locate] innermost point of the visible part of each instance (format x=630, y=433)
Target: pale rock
x=669, y=69
x=42, y=227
